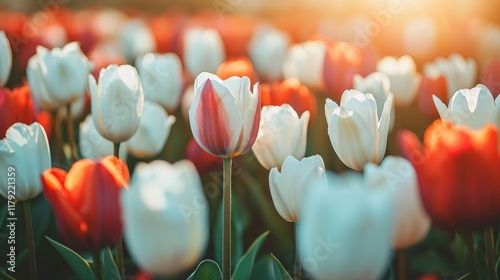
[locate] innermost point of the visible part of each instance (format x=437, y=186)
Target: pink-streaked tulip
x=305, y=62
x=203, y=51
x=225, y=114
x=5, y=59
x=491, y=77
x=402, y=73
x=267, y=51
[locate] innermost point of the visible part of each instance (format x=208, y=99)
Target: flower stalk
x=226, y=224
x=30, y=239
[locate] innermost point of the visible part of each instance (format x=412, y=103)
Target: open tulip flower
x=225, y=114
x=358, y=135
x=86, y=201
x=402, y=73
x=5, y=59
x=458, y=176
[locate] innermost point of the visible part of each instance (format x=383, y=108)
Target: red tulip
x=239, y=67
x=491, y=77
x=292, y=92
x=86, y=201
x=203, y=161
x=429, y=87
x=458, y=174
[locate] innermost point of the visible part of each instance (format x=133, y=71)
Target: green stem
x=119, y=257
x=401, y=265
x=116, y=150
x=298, y=268
x=56, y=126
x=71, y=136
x=96, y=256
x=226, y=224
x=469, y=240
x=489, y=241
x=30, y=239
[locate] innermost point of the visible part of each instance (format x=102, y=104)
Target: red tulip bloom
x=292, y=92
x=429, y=87
x=239, y=67
x=491, y=77
x=458, y=174
x=203, y=161
x=86, y=201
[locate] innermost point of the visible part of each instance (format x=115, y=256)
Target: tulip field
x=250, y=140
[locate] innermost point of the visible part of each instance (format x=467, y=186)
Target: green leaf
x=3, y=214
x=206, y=270
x=244, y=266
x=463, y=277
x=459, y=249
x=480, y=261
x=110, y=269
x=280, y=272
x=6, y=276
x=80, y=266
x=497, y=268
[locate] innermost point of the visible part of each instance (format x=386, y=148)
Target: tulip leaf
x=497, y=268
x=465, y=276
x=480, y=261
x=3, y=215
x=280, y=272
x=80, y=266
x=110, y=269
x=5, y=275
x=206, y=270
x=244, y=266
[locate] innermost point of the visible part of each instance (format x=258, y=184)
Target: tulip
x=473, y=108
x=161, y=79
x=224, y=115
x=305, y=62
x=292, y=92
x=430, y=86
x=239, y=67
x=61, y=75
x=267, y=51
x=402, y=72
x=203, y=161
x=86, y=202
x=165, y=216
x=187, y=101
x=281, y=134
x=379, y=85
x=491, y=77
x=136, y=40
x=332, y=233
x=93, y=145
x=203, y=51
x=25, y=149
x=397, y=175
x=289, y=186
x=152, y=133
x=460, y=165
x=356, y=132
x=117, y=102
x=5, y=59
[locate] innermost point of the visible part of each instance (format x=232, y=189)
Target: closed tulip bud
x=203, y=51
x=5, y=59
x=224, y=115
x=402, y=72
x=93, y=145
x=86, y=201
x=240, y=67
x=166, y=217
x=152, y=133
x=397, y=176
x=38, y=86
x=25, y=153
x=332, y=233
x=267, y=51
x=281, y=134
x=358, y=135
x=430, y=86
x=473, y=108
x=305, y=62
x=116, y=102
x=136, y=39
x=490, y=76
x=289, y=186
x=161, y=78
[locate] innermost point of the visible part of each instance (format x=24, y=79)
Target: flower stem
x=116, y=150
x=30, y=239
x=469, y=240
x=226, y=224
x=401, y=265
x=71, y=136
x=96, y=256
x=298, y=268
x=57, y=137
x=119, y=243
x=489, y=241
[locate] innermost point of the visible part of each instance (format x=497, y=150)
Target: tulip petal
x=383, y=128
x=443, y=111
x=330, y=105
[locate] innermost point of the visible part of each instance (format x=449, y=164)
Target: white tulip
x=356, y=132
x=117, y=102
x=152, y=133
x=165, y=215
x=305, y=62
x=5, y=59
x=136, y=39
x=473, y=108
x=161, y=78
x=289, y=186
x=203, y=51
x=348, y=179
x=267, y=51
x=398, y=177
x=281, y=134
x=93, y=145
x=402, y=72
x=24, y=156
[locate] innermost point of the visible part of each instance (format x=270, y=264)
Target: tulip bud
x=165, y=214
x=5, y=59
x=473, y=108
x=281, y=134
x=356, y=132
x=93, y=145
x=430, y=86
x=117, y=102
x=490, y=77
x=203, y=51
x=289, y=186
x=267, y=51
x=402, y=72
x=397, y=176
x=25, y=152
x=161, y=79
x=239, y=67
x=225, y=115
x=136, y=39
x=305, y=62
